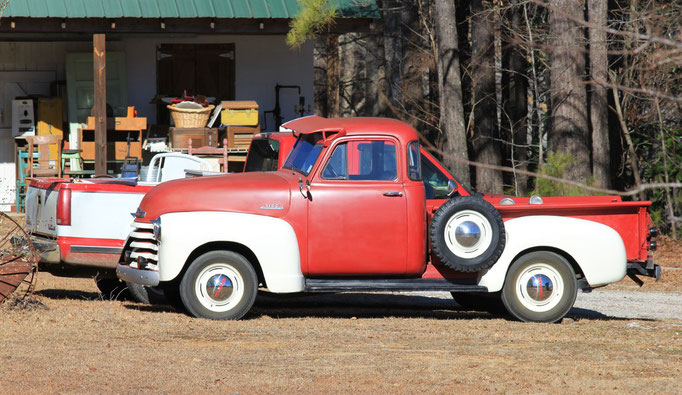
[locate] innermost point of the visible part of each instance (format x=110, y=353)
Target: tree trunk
x=393, y=49
x=454, y=144
x=320, y=75
x=569, y=132
x=333, y=74
x=486, y=136
x=597, y=10
x=515, y=93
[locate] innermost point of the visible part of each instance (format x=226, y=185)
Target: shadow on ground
x=343, y=306
x=68, y=294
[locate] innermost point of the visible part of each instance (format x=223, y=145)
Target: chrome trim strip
x=96, y=250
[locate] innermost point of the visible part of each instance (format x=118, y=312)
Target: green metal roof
x=177, y=8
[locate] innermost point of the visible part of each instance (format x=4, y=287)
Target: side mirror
x=452, y=187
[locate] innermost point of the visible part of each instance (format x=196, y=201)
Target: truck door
x=357, y=217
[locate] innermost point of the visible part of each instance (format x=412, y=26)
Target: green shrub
x=555, y=166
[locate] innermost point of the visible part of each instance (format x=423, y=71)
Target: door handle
x=393, y=194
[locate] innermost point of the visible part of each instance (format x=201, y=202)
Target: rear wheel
x=540, y=287
x=219, y=285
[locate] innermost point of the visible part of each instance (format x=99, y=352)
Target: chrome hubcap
x=467, y=233
x=219, y=288
x=539, y=287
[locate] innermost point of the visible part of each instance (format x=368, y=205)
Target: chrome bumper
x=137, y=276
x=47, y=249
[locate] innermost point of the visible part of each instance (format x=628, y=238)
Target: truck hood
x=254, y=193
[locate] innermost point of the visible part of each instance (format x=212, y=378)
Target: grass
x=327, y=344
x=331, y=344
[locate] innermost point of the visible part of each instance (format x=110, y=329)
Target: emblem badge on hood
x=271, y=206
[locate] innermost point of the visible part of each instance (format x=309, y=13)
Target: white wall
x=261, y=62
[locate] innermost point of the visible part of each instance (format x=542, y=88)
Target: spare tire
x=467, y=234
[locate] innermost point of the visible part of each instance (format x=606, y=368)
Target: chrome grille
x=142, y=251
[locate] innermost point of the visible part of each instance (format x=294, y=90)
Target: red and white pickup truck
x=79, y=226
x=354, y=208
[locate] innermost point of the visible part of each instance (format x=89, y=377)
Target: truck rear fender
x=595, y=250
x=271, y=243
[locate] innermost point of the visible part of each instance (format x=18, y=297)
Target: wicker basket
x=189, y=117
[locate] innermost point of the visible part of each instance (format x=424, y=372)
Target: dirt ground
x=330, y=344
x=80, y=343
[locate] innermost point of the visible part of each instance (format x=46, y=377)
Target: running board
x=378, y=285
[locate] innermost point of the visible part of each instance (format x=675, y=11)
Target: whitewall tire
x=541, y=286
x=219, y=285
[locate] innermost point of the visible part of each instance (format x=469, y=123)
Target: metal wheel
x=468, y=234
x=219, y=285
x=18, y=260
x=540, y=286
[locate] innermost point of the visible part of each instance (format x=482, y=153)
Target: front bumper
x=137, y=276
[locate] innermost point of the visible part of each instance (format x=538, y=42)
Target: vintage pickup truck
x=79, y=226
x=354, y=208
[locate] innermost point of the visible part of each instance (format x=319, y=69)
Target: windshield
x=263, y=155
x=304, y=154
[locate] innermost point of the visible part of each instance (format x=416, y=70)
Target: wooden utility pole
x=100, y=108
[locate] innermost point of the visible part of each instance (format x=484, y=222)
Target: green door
x=80, y=90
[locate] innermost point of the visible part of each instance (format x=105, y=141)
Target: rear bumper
x=648, y=269
x=48, y=249
x=78, y=251
x=137, y=276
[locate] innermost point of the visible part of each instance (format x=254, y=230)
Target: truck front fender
x=596, y=248
x=272, y=240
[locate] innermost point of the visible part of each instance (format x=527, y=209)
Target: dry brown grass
x=324, y=344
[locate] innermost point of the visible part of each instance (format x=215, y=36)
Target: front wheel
x=219, y=285
x=540, y=287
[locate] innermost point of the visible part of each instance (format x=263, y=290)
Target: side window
x=414, y=168
x=368, y=160
x=435, y=182
x=337, y=166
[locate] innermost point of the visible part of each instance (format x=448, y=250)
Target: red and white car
x=79, y=227
x=356, y=207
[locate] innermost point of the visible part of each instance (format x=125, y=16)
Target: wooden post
x=100, y=109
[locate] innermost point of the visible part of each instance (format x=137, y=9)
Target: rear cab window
x=435, y=182
x=263, y=155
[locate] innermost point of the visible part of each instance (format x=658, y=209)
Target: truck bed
x=99, y=218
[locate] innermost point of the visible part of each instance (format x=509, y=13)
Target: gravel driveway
x=600, y=303
x=629, y=304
